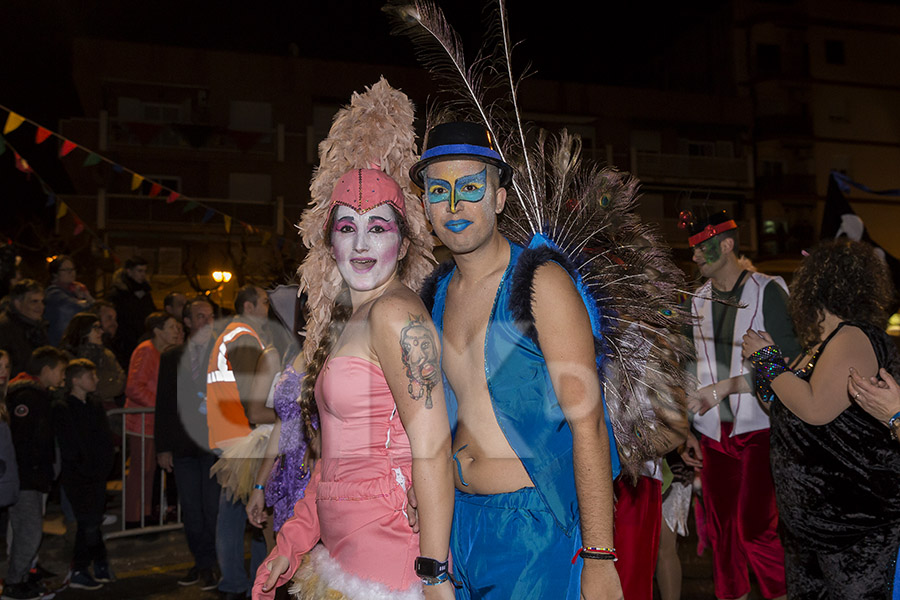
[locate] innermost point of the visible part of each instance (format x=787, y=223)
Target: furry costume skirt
x=320, y=577
x=238, y=465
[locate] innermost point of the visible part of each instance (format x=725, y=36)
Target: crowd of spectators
x=67, y=359
x=208, y=389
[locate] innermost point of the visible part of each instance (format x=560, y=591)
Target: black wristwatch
x=430, y=570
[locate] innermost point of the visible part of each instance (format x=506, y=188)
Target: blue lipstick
x=458, y=225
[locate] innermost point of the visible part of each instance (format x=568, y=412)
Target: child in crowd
x=9, y=472
x=28, y=403
x=86, y=446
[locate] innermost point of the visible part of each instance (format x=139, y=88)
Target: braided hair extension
x=340, y=314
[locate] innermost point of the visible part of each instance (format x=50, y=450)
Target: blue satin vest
x=524, y=402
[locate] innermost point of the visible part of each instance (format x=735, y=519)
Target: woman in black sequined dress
x=836, y=467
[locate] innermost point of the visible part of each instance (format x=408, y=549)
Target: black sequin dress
x=838, y=492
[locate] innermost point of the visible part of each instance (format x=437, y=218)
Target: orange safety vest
x=225, y=414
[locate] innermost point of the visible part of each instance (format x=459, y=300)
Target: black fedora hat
x=459, y=141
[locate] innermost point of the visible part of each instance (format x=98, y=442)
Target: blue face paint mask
x=469, y=188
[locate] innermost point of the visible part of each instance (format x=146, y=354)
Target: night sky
x=557, y=36
x=561, y=40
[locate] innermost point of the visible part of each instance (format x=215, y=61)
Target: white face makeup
x=367, y=246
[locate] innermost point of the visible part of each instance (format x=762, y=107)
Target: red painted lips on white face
x=362, y=265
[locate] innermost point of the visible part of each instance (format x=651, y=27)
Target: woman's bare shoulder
x=398, y=302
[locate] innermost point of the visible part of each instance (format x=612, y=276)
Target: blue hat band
x=461, y=149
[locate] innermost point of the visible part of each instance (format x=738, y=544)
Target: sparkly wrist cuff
x=768, y=363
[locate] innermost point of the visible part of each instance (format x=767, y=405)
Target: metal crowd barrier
x=145, y=525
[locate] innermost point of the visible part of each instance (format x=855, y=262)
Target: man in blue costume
x=534, y=464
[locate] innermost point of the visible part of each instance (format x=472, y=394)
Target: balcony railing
x=682, y=169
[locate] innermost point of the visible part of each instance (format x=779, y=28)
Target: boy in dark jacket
x=28, y=402
x=86, y=447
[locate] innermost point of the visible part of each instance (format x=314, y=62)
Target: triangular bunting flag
x=12, y=122
x=92, y=159
x=227, y=220
x=172, y=197
x=155, y=189
x=118, y=168
x=136, y=181
x=189, y=206
x=51, y=200
x=208, y=215
x=62, y=210
x=22, y=164
x=79, y=226
x=67, y=146
x=2, y=145
x=41, y=136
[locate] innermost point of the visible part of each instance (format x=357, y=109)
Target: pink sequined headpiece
x=365, y=189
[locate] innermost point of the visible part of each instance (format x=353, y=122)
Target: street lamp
x=221, y=276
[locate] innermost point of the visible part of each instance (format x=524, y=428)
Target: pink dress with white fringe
x=356, y=499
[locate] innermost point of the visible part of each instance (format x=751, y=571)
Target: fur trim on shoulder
x=429, y=286
x=521, y=298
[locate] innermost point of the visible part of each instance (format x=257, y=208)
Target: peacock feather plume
x=588, y=212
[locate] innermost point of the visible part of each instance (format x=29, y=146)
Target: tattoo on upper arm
x=420, y=357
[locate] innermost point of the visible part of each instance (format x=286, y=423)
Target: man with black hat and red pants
x=533, y=468
x=733, y=446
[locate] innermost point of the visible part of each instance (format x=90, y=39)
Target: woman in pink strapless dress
x=373, y=381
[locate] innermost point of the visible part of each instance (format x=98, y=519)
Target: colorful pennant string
x=12, y=122
x=42, y=134
x=66, y=148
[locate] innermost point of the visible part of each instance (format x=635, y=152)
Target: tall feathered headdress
x=557, y=198
x=375, y=130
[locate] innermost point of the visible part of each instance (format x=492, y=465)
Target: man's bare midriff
x=487, y=463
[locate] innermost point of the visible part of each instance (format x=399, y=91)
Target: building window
x=834, y=52
x=772, y=168
x=250, y=187
x=250, y=116
x=768, y=58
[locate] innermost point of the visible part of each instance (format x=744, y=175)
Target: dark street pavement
x=148, y=566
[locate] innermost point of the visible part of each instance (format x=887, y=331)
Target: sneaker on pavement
x=39, y=572
x=82, y=580
x=191, y=577
x=208, y=580
x=27, y=590
x=102, y=572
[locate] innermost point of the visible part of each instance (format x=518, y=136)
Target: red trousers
x=742, y=520
x=638, y=516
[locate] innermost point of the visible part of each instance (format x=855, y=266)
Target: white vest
x=748, y=414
